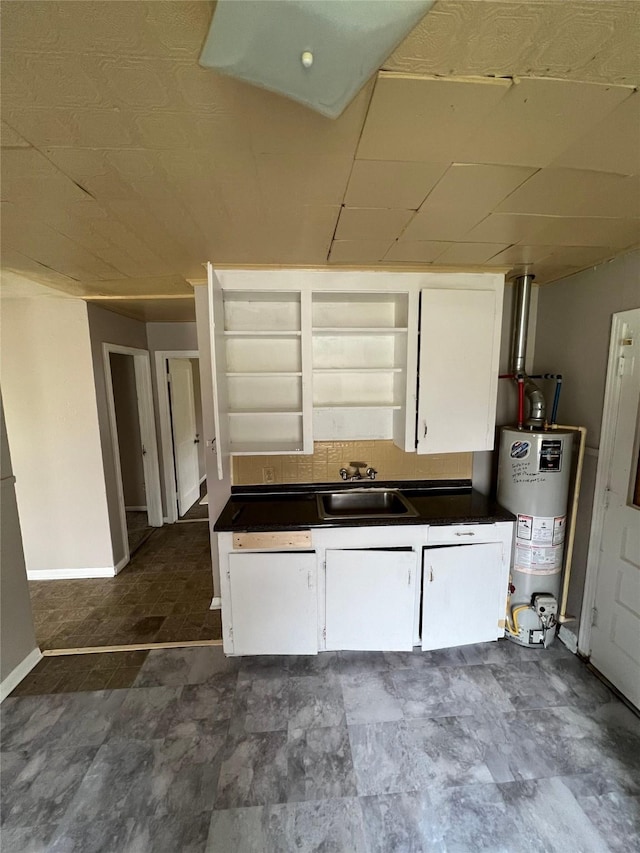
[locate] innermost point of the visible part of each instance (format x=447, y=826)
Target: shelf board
x=358, y=369
x=269, y=412
x=357, y=406
x=262, y=333
x=262, y=373
x=358, y=330
x=272, y=448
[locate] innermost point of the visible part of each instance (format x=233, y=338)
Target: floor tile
x=319, y=764
x=261, y=705
x=175, y=667
x=45, y=784
x=186, y=833
x=254, y=771
x=449, y=691
x=370, y=698
x=315, y=701
x=529, y=685
x=28, y=839
x=140, y=714
x=382, y=759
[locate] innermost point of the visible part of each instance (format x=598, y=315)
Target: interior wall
x=197, y=395
x=52, y=422
x=17, y=635
x=123, y=376
x=107, y=327
x=574, y=326
x=161, y=337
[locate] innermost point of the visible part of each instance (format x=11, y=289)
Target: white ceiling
x=498, y=134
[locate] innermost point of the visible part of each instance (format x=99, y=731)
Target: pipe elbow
x=537, y=406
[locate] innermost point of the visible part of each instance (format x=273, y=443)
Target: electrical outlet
x=268, y=475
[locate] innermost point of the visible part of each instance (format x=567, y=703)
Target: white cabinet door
x=462, y=594
x=274, y=605
x=370, y=597
x=218, y=370
x=459, y=349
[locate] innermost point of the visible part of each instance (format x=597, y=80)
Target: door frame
x=166, y=432
x=605, y=458
x=146, y=419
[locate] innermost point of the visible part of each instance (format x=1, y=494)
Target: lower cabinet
x=370, y=597
x=463, y=595
x=273, y=603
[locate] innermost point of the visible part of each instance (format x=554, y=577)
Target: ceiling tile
x=358, y=251
x=425, y=119
x=574, y=192
x=423, y=251
x=523, y=255
x=510, y=228
x=441, y=223
x=9, y=138
x=616, y=233
x=464, y=196
x=470, y=253
x=387, y=183
x=611, y=146
x=310, y=179
x=577, y=256
x=371, y=224
x=537, y=119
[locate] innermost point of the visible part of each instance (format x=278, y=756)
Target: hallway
x=163, y=595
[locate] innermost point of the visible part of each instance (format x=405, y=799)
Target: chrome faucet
x=353, y=471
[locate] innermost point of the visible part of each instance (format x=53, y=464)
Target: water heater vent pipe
x=537, y=406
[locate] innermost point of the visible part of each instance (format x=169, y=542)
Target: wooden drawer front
x=463, y=534
x=278, y=539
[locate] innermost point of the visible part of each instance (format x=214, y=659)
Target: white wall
x=574, y=325
x=108, y=327
x=18, y=647
x=52, y=424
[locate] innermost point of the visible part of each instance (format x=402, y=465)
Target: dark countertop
x=260, y=508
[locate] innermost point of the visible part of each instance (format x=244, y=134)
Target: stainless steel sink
x=365, y=503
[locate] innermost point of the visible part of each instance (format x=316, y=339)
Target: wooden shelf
x=242, y=412
x=358, y=370
x=262, y=373
x=325, y=407
x=358, y=330
x=262, y=333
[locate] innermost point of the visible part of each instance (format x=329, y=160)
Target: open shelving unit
x=264, y=373
x=359, y=363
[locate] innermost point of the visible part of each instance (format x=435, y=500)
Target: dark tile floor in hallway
x=480, y=748
x=163, y=595
x=138, y=530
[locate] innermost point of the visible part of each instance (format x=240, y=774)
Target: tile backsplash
x=328, y=457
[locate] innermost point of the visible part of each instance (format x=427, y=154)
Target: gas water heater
x=533, y=483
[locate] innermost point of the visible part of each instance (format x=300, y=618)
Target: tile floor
x=481, y=748
x=163, y=595
x=198, y=512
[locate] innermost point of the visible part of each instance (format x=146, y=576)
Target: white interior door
x=615, y=633
x=185, y=437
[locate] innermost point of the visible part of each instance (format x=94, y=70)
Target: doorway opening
x=135, y=455
x=181, y=433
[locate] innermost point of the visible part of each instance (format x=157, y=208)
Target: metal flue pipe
x=522, y=303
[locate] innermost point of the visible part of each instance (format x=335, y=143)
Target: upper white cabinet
x=303, y=355
x=458, y=372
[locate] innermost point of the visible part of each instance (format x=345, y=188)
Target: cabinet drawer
x=460, y=534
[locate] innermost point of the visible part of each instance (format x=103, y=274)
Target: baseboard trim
x=130, y=647
x=568, y=638
x=9, y=684
x=136, y=508
x=121, y=564
x=70, y=574
x=216, y=603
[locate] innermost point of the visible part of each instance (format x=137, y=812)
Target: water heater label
x=550, y=455
x=559, y=524
x=541, y=530
x=536, y=560
x=520, y=449
x=525, y=524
